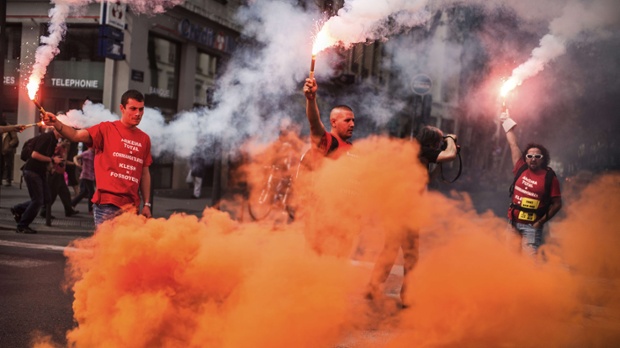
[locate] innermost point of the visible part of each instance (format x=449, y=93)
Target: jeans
x=39, y=196
x=104, y=212
x=531, y=238
x=87, y=190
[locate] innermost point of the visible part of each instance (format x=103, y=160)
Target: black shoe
x=17, y=216
x=26, y=230
x=71, y=213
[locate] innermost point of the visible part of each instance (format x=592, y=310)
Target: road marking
x=37, y=246
x=22, y=262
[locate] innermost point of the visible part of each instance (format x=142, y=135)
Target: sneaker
x=26, y=230
x=17, y=216
x=71, y=213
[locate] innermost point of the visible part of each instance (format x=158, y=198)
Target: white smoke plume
x=578, y=17
x=58, y=27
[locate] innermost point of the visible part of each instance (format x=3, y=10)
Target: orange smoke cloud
x=192, y=282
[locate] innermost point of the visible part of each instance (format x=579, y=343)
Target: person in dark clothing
x=35, y=171
x=56, y=181
x=71, y=169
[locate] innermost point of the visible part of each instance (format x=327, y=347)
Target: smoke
x=577, y=18
x=366, y=20
x=58, y=27
x=213, y=281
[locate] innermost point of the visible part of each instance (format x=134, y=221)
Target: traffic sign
x=421, y=84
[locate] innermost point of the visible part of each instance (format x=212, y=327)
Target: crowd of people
x=115, y=176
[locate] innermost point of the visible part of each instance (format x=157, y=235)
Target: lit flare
x=322, y=40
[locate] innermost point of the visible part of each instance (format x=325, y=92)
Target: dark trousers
x=87, y=190
x=39, y=195
x=8, y=165
x=58, y=187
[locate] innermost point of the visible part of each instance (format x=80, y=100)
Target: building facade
x=172, y=57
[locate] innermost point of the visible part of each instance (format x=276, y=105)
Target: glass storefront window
x=206, y=69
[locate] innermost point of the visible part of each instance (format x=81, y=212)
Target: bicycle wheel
x=259, y=205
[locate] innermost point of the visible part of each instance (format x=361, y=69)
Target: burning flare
x=322, y=40
x=508, y=86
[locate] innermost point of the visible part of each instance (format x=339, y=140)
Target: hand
x=507, y=122
x=310, y=88
x=146, y=211
x=453, y=136
x=19, y=128
x=49, y=118
x=504, y=116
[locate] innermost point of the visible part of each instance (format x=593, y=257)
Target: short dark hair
x=545, y=160
x=131, y=94
x=342, y=106
x=429, y=136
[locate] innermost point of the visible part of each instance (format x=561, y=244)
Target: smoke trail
x=577, y=18
x=58, y=27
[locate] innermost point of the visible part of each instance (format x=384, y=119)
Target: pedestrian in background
x=10, y=142
x=34, y=171
x=56, y=181
x=198, y=170
x=86, y=162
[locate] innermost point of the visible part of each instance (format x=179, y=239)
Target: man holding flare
x=122, y=158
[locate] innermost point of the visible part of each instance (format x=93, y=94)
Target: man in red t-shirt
x=531, y=206
x=122, y=158
x=342, y=121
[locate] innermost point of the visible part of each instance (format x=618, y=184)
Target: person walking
x=85, y=161
x=56, y=181
x=10, y=142
x=34, y=171
x=122, y=159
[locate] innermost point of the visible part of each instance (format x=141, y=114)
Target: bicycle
x=273, y=196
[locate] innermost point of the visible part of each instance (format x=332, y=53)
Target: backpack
x=28, y=148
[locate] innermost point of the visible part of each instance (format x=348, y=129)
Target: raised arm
x=509, y=125
x=67, y=132
x=317, y=129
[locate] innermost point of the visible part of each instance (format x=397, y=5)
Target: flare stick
x=36, y=103
x=312, y=66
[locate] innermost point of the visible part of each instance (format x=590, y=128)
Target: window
x=163, y=67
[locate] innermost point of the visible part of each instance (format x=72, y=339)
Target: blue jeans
x=104, y=212
x=531, y=238
x=39, y=196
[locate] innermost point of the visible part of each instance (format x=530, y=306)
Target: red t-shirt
x=333, y=147
x=528, y=192
x=121, y=153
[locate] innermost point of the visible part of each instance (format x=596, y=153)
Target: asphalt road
x=33, y=300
